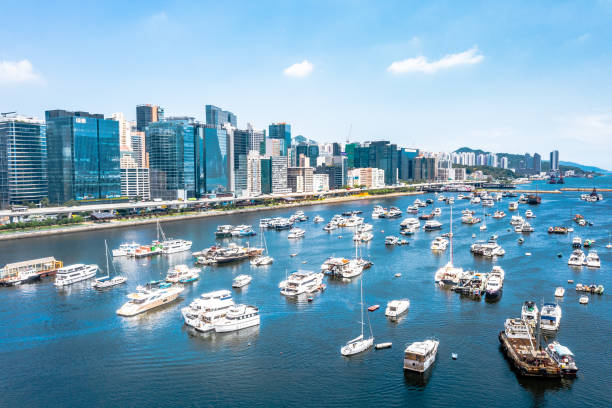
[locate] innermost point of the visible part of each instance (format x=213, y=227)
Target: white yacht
x=592, y=259
x=431, y=225
x=216, y=301
x=584, y=299
x=577, y=258
x=359, y=344
x=366, y=236
x=180, y=273
x=172, y=246
x=494, y=286
x=353, y=221
x=499, y=214
x=410, y=222
x=475, y=200
x=106, y=281
x=241, y=280
x=550, y=317
x=74, y=273
x=419, y=356
x=412, y=209
x=576, y=242
x=301, y=282
x=526, y=227
x=262, y=260
x=238, y=317
x=449, y=274
x=529, y=312
x=378, y=212
x=517, y=220
x=318, y=219
x=438, y=212
x=27, y=276
x=210, y=314
x=365, y=228
x=439, y=244
x=147, y=298
x=396, y=308
x=559, y=291
x=296, y=233
x=529, y=214
x=513, y=206
x=125, y=249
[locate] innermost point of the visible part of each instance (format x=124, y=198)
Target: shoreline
x=212, y=213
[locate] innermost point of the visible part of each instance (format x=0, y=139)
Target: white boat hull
x=222, y=327
x=357, y=347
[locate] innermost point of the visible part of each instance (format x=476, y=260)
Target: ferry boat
x=432, y=225
x=224, y=231
x=420, y=356
x=550, y=317
x=529, y=313
x=396, y=308
x=126, y=249
x=577, y=258
x=301, y=282
x=149, y=297
x=74, y=273
x=564, y=358
x=241, y=281
x=592, y=259
x=182, y=273
x=238, y=317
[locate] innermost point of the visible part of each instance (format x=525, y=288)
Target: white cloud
x=158, y=18
x=299, y=70
x=15, y=72
x=421, y=64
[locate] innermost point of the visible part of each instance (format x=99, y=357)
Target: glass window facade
x=146, y=114
x=281, y=131
x=217, y=159
x=216, y=116
x=176, y=166
x=241, y=150
x=23, y=158
x=82, y=156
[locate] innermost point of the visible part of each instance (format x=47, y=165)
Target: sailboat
x=609, y=246
x=448, y=274
x=358, y=344
x=483, y=227
x=265, y=258
x=104, y=282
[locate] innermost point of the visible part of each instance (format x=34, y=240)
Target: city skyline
x=469, y=79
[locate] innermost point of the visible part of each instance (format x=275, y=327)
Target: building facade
x=218, y=159
x=300, y=179
x=82, y=156
x=146, y=114
x=135, y=183
x=320, y=182
x=254, y=173
x=216, y=116
x=554, y=160
x=425, y=168
x=280, y=131
x=368, y=177
x=23, y=160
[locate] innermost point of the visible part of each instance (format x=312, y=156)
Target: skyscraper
x=23, y=158
x=218, y=117
x=125, y=142
x=406, y=163
x=218, y=159
x=554, y=160
x=281, y=131
x=537, y=163
x=176, y=159
x=82, y=156
x=146, y=114
x=241, y=150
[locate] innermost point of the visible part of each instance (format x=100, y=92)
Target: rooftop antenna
x=349, y=133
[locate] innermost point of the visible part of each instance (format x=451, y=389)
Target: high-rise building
x=216, y=116
x=176, y=159
x=280, y=131
x=274, y=147
x=554, y=160
x=23, y=159
x=254, y=173
x=309, y=150
x=336, y=149
x=368, y=177
x=219, y=159
x=406, y=163
x=460, y=173
x=82, y=156
x=138, y=144
x=278, y=181
x=503, y=162
x=336, y=169
x=256, y=139
x=425, y=168
x=320, y=182
x=383, y=155
x=537, y=163
x=241, y=150
x=125, y=142
x=146, y=114
x=300, y=179
x=135, y=182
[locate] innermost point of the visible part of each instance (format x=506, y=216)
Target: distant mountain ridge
x=514, y=159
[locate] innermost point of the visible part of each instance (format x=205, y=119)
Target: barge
x=41, y=266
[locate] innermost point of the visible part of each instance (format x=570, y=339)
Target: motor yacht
x=224, y=231
x=208, y=302
x=211, y=313
x=550, y=317
x=394, y=212
x=330, y=226
x=391, y=240
x=493, y=287
x=147, y=298
x=437, y=212
x=74, y=273
x=179, y=273
x=529, y=313
x=409, y=230
x=412, y=209
x=379, y=212
x=499, y=214
x=576, y=242
x=592, y=259
x=475, y=200
x=296, y=233
x=365, y=228
x=126, y=249
x=432, y=225
x=513, y=206
x=584, y=299
x=559, y=291
x=262, y=260
x=243, y=231
x=238, y=317
x=318, y=219
x=264, y=222
x=420, y=356
x=241, y=281
x=517, y=220
x=529, y=214
x=354, y=221
x=396, y=308
x=172, y=246
x=410, y=222
x=301, y=282
x=439, y=244
x=577, y=258
x=526, y=227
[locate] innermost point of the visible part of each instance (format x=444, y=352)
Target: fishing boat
x=106, y=281
x=358, y=344
x=396, y=308
x=241, y=281
x=420, y=356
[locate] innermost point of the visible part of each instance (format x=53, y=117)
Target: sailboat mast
x=361, y=304
x=451, y=236
x=106, y=253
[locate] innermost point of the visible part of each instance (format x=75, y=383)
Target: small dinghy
x=373, y=308
x=383, y=345
x=454, y=356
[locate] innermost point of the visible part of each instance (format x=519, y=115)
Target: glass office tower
x=218, y=117
x=217, y=163
x=82, y=156
x=241, y=150
x=281, y=131
x=176, y=159
x=146, y=114
x=23, y=159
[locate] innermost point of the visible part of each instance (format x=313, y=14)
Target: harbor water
x=67, y=347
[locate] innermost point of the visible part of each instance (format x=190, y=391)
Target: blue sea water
x=69, y=348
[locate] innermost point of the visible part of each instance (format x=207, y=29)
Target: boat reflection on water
x=540, y=387
x=415, y=380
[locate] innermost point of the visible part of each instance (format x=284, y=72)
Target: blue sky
x=502, y=76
